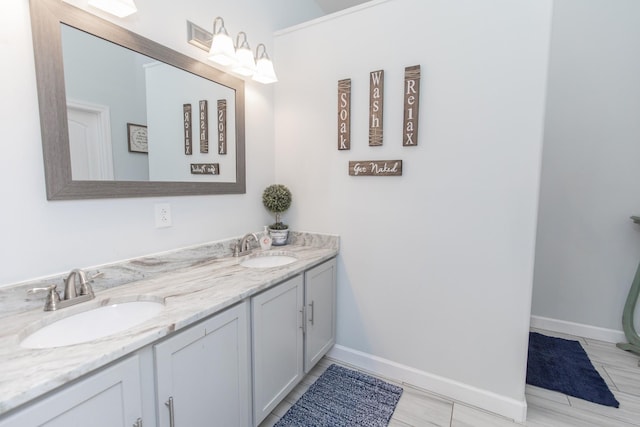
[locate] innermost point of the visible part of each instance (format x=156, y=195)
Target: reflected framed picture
x=137, y=137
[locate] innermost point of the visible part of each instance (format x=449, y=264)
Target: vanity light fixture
x=264, y=67
x=119, y=8
x=245, y=64
x=237, y=59
x=222, y=50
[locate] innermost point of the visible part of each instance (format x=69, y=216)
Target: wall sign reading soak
x=186, y=117
x=222, y=126
x=411, y=105
x=344, y=114
x=375, y=168
x=376, y=102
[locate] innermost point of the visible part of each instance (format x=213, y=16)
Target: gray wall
x=437, y=265
x=587, y=247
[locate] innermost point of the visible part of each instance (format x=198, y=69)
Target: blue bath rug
x=562, y=365
x=342, y=397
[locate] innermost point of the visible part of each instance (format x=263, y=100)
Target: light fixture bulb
x=264, y=67
x=119, y=8
x=222, y=50
x=245, y=64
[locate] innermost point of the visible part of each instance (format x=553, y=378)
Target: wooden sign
x=344, y=114
x=376, y=101
x=186, y=116
x=222, y=126
x=375, y=168
x=137, y=138
x=205, y=168
x=204, y=127
x=411, y=105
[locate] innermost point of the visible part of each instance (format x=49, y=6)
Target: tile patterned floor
x=546, y=408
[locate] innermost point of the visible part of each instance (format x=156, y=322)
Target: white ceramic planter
x=279, y=237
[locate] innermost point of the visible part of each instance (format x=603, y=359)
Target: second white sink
x=268, y=260
x=92, y=324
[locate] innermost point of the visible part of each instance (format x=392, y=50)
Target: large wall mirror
x=122, y=116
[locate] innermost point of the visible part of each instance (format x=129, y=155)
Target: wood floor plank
x=543, y=393
x=609, y=354
x=581, y=416
x=625, y=380
x=466, y=416
x=628, y=412
x=418, y=409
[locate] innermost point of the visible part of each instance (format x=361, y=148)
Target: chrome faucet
x=244, y=247
x=72, y=294
x=72, y=291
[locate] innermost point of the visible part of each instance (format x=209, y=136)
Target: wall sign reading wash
x=376, y=112
x=375, y=168
x=204, y=126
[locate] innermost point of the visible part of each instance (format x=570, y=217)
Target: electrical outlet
x=163, y=215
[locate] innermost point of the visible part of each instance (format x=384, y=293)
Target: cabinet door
x=277, y=344
x=108, y=398
x=203, y=373
x=320, y=300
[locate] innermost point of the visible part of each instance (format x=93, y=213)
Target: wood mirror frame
x=46, y=19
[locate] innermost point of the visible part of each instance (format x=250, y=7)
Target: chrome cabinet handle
x=312, y=316
x=169, y=404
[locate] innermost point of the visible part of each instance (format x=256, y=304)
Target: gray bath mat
x=343, y=397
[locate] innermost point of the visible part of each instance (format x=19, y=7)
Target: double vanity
x=192, y=337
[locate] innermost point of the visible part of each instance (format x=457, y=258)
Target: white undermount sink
x=92, y=324
x=268, y=259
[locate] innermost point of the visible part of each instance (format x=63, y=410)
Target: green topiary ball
x=277, y=199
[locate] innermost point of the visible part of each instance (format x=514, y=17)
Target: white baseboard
x=578, y=329
x=454, y=390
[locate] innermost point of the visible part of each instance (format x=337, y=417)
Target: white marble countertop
x=191, y=291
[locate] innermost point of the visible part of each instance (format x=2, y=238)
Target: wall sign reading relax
x=411, y=104
x=186, y=117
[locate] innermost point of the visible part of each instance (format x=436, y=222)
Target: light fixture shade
x=119, y=8
x=264, y=67
x=222, y=50
x=245, y=64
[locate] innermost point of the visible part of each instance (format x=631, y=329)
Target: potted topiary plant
x=277, y=199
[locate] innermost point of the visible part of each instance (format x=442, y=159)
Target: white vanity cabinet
x=320, y=299
x=202, y=373
x=110, y=398
x=277, y=321
x=293, y=326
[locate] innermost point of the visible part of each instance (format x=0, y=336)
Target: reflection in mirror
x=109, y=88
x=112, y=112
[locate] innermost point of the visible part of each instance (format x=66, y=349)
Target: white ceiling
x=330, y=6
